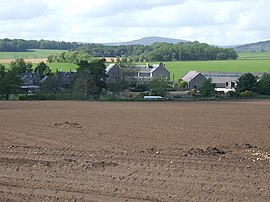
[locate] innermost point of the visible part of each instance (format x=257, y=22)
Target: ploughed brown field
x=135, y=151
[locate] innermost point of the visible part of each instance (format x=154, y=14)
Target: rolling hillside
x=262, y=46
x=146, y=41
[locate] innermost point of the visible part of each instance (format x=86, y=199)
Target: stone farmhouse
x=31, y=81
x=138, y=74
x=222, y=80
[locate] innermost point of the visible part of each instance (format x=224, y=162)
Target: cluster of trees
x=99, y=50
x=189, y=51
x=248, y=83
x=10, y=79
x=20, y=45
x=184, y=51
x=246, y=86
x=88, y=82
x=70, y=56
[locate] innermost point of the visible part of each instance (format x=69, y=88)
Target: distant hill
x=262, y=46
x=146, y=41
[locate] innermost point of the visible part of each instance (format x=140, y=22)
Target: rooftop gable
x=110, y=67
x=190, y=75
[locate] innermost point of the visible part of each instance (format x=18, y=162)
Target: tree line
x=21, y=45
x=183, y=51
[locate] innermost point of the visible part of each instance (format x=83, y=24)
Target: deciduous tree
x=91, y=80
x=264, y=85
x=9, y=82
x=42, y=69
x=158, y=86
x=246, y=82
x=208, y=88
x=20, y=66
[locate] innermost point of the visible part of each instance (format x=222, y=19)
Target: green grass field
x=254, y=56
x=179, y=69
x=31, y=54
x=62, y=67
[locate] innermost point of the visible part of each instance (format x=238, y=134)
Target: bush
x=232, y=94
x=246, y=94
x=109, y=97
x=192, y=92
x=49, y=96
x=33, y=97
x=139, y=88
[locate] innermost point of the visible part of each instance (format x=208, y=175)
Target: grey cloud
x=114, y=7
x=211, y=21
x=21, y=9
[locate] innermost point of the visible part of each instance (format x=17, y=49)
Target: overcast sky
x=220, y=22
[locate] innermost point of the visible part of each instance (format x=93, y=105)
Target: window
x=144, y=74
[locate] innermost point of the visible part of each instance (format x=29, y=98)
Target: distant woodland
x=183, y=51
x=20, y=45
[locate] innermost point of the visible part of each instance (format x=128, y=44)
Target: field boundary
x=36, y=60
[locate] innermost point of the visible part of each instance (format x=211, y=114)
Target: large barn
x=225, y=80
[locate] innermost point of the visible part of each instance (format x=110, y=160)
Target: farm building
x=31, y=81
x=30, y=78
x=220, y=79
x=137, y=73
x=194, y=79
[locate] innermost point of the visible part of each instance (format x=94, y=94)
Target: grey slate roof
x=228, y=74
x=218, y=77
x=140, y=68
x=190, y=75
x=146, y=68
x=224, y=79
x=110, y=67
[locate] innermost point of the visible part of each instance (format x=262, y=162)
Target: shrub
x=246, y=94
x=232, y=94
x=192, y=92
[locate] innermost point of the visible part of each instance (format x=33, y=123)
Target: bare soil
x=135, y=151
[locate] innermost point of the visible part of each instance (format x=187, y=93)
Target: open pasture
x=254, y=56
x=179, y=69
x=134, y=151
x=30, y=54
